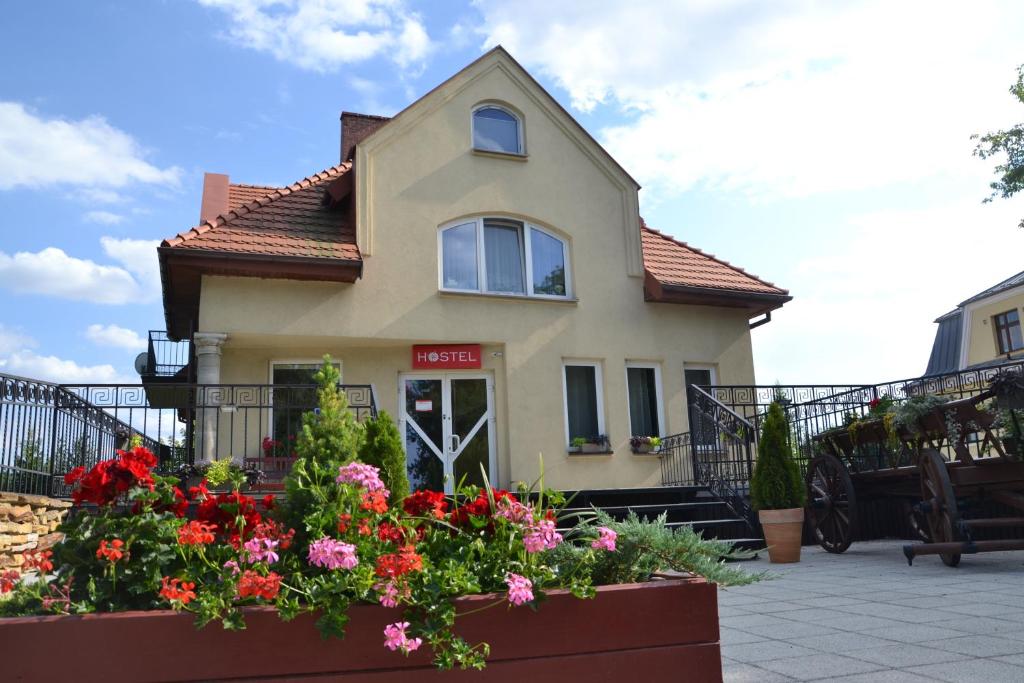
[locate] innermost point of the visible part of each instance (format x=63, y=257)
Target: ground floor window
x=290, y=400
x=584, y=405
x=643, y=382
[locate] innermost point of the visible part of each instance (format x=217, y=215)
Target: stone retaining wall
x=28, y=523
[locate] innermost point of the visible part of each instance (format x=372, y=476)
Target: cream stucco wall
x=425, y=175
x=981, y=337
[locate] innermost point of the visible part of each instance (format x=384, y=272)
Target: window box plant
x=776, y=490
x=591, y=444
x=1008, y=388
x=432, y=577
x=645, y=444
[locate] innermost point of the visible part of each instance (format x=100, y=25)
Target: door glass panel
x=469, y=409
x=289, y=403
x=643, y=401
x=702, y=428
x=423, y=408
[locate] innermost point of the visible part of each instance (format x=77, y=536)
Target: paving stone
x=1012, y=659
x=732, y=636
x=790, y=630
x=978, y=625
x=819, y=666
x=891, y=676
x=897, y=612
x=829, y=601
x=767, y=650
x=861, y=623
x=746, y=673
x=772, y=607
x=914, y=633
x=980, y=646
x=841, y=642
x=904, y=655
x=748, y=621
x=985, y=609
x=972, y=671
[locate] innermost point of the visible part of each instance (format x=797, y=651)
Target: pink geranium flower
x=541, y=536
x=332, y=554
x=606, y=540
x=395, y=638
x=261, y=550
x=520, y=589
x=360, y=474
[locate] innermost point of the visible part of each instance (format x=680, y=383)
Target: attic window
x=497, y=130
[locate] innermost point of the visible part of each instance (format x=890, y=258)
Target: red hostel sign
x=446, y=357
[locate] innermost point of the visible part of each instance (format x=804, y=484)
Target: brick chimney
x=355, y=128
x=215, y=196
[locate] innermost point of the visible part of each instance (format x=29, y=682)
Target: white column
x=207, y=347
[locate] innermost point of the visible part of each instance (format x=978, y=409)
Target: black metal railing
x=168, y=358
x=47, y=429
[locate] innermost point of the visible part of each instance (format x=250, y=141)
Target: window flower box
x=646, y=631
x=645, y=445
x=594, y=445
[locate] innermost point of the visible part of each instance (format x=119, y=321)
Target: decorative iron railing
x=47, y=429
x=168, y=358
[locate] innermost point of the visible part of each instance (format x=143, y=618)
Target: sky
x=825, y=147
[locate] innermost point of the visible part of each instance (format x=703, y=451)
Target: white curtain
x=503, y=246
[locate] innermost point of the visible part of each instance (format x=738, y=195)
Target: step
x=657, y=495
x=675, y=512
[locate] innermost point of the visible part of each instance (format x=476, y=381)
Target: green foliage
x=644, y=547
x=1010, y=142
x=776, y=482
x=383, y=449
x=218, y=472
x=330, y=437
x=908, y=414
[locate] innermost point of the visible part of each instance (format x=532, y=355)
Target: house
x=981, y=331
x=479, y=261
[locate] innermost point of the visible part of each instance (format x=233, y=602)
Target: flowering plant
x=340, y=537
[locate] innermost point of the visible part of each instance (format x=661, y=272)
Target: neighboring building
x=480, y=261
x=982, y=331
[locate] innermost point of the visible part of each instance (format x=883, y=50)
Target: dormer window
x=504, y=257
x=496, y=129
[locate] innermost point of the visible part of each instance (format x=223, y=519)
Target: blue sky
x=825, y=147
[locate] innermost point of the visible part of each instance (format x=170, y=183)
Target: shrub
x=330, y=437
x=776, y=483
x=382, y=448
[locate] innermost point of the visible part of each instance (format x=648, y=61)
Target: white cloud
x=40, y=152
x=323, y=35
x=53, y=369
x=104, y=217
x=862, y=310
x=52, y=272
x=116, y=336
x=786, y=98
x=13, y=340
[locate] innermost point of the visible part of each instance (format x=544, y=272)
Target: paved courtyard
x=866, y=616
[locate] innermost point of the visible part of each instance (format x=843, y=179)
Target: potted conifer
x=776, y=490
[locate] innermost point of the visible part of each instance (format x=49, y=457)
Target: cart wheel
x=918, y=521
x=831, y=503
x=939, y=504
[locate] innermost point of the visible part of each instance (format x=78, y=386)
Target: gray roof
x=1006, y=284
x=946, y=347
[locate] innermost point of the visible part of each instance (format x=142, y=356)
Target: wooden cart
x=875, y=460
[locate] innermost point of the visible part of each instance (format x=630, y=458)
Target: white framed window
x=504, y=257
x=583, y=398
x=643, y=394
x=497, y=129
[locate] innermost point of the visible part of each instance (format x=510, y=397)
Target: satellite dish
x=142, y=363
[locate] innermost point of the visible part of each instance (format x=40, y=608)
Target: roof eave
x=181, y=272
x=757, y=303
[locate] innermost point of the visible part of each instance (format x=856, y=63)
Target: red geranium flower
x=393, y=565
x=388, y=532
x=426, y=503
x=8, y=580
x=374, y=501
x=38, y=560
x=223, y=512
x=268, y=501
x=176, y=590
x=254, y=585
x=109, y=479
x=196, y=533
x=364, y=527
x=111, y=552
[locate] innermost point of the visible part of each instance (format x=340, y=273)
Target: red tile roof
x=677, y=264
x=289, y=221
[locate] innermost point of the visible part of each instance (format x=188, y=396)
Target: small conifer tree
x=776, y=483
x=330, y=437
x=382, y=448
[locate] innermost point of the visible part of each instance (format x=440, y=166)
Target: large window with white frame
x=584, y=400
x=496, y=129
x=504, y=257
x=643, y=388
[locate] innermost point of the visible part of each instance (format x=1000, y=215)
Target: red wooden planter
x=657, y=631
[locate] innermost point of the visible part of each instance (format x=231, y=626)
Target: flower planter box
x=656, y=631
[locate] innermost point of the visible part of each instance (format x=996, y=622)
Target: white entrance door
x=448, y=423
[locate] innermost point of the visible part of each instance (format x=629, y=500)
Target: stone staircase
x=693, y=506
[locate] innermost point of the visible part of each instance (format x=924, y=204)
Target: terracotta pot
x=783, y=530
x=643, y=632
